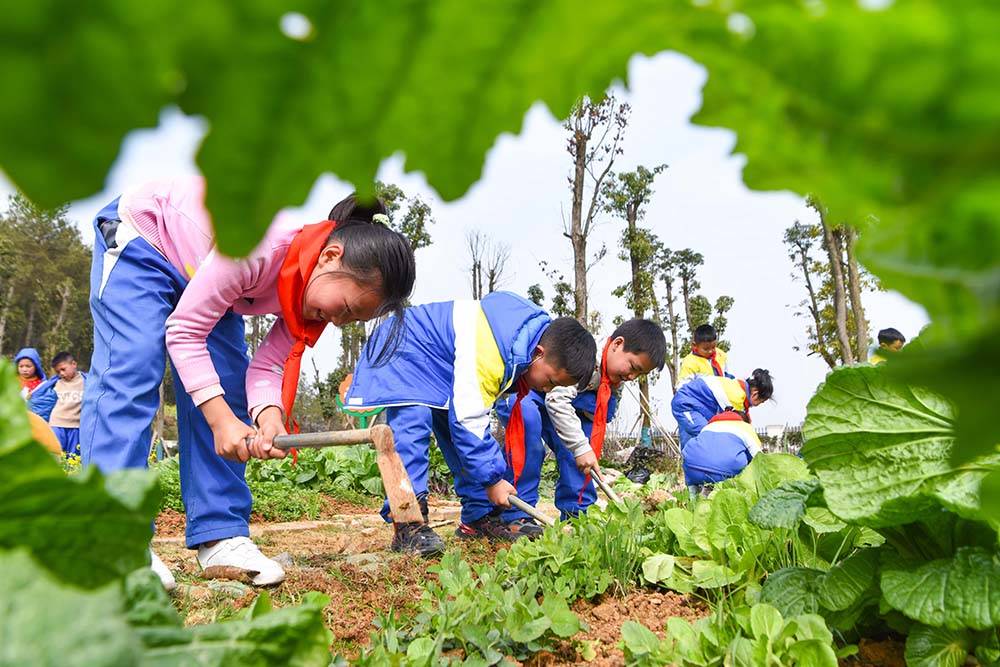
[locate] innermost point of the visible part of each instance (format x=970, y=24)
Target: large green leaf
x=793, y=591
x=85, y=530
x=767, y=472
x=959, y=592
x=44, y=622
x=784, y=506
x=294, y=636
x=937, y=647
x=882, y=450
x=892, y=114
x=847, y=582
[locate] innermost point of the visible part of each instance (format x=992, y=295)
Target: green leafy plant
x=76, y=547
x=754, y=636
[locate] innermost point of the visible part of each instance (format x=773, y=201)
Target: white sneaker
x=162, y=571
x=241, y=553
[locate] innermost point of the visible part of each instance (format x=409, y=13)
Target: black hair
x=572, y=348
x=704, y=333
x=890, y=336
x=61, y=358
x=375, y=253
x=760, y=380
x=644, y=337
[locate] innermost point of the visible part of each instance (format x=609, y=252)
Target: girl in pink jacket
x=159, y=286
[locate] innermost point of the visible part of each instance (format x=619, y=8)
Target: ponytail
x=760, y=380
x=375, y=253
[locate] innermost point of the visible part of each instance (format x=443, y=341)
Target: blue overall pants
x=573, y=494
x=412, y=426
x=133, y=289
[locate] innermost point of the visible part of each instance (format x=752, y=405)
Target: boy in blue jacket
x=569, y=420
x=725, y=446
x=454, y=360
x=58, y=401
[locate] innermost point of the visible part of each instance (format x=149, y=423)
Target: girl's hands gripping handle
x=269, y=425
x=230, y=434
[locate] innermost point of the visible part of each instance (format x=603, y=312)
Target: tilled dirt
x=877, y=653
x=605, y=616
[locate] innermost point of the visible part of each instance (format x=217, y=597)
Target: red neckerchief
x=600, y=423
x=514, y=437
x=746, y=398
x=300, y=262
x=716, y=367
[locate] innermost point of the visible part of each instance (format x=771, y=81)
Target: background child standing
x=58, y=401
x=29, y=370
x=706, y=357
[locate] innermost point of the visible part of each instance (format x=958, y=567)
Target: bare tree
x=800, y=239
x=596, y=129
x=834, y=251
x=475, y=242
x=497, y=265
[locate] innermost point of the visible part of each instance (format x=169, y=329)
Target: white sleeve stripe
x=469, y=409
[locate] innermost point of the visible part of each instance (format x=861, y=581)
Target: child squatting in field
x=456, y=359
x=572, y=422
x=158, y=286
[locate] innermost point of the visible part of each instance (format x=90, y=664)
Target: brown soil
x=170, y=523
x=605, y=616
x=877, y=653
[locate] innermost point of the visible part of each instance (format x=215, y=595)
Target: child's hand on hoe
x=235, y=440
x=587, y=462
x=499, y=493
x=269, y=425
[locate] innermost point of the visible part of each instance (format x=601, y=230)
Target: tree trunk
x=675, y=360
x=835, y=255
x=577, y=233
x=29, y=330
x=4, y=313
x=814, y=309
x=686, y=294
x=637, y=296
x=854, y=284
x=52, y=340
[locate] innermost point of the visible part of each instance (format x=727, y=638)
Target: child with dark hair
x=159, y=286
x=29, y=370
x=572, y=421
x=456, y=359
x=705, y=358
x=58, y=401
x=890, y=341
x=704, y=397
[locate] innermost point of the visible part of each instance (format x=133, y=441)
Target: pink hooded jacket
x=171, y=216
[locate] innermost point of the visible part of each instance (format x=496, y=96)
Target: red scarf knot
x=296, y=270
x=514, y=437
x=716, y=367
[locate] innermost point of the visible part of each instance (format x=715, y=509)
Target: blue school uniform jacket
x=458, y=356
x=703, y=397
x=44, y=398
x=722, y=450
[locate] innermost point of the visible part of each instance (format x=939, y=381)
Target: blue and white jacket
x=44, y=398
x=458, y=356
x=703, y=397
x=722, y=450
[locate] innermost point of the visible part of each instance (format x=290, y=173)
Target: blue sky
x=699, y=202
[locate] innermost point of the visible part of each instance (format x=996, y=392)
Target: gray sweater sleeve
x=559, y=405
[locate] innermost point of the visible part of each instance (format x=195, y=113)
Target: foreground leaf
x=44, y=622
x=959, y=592
x=793, y=591
x=882, y=450
x=87, y=530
